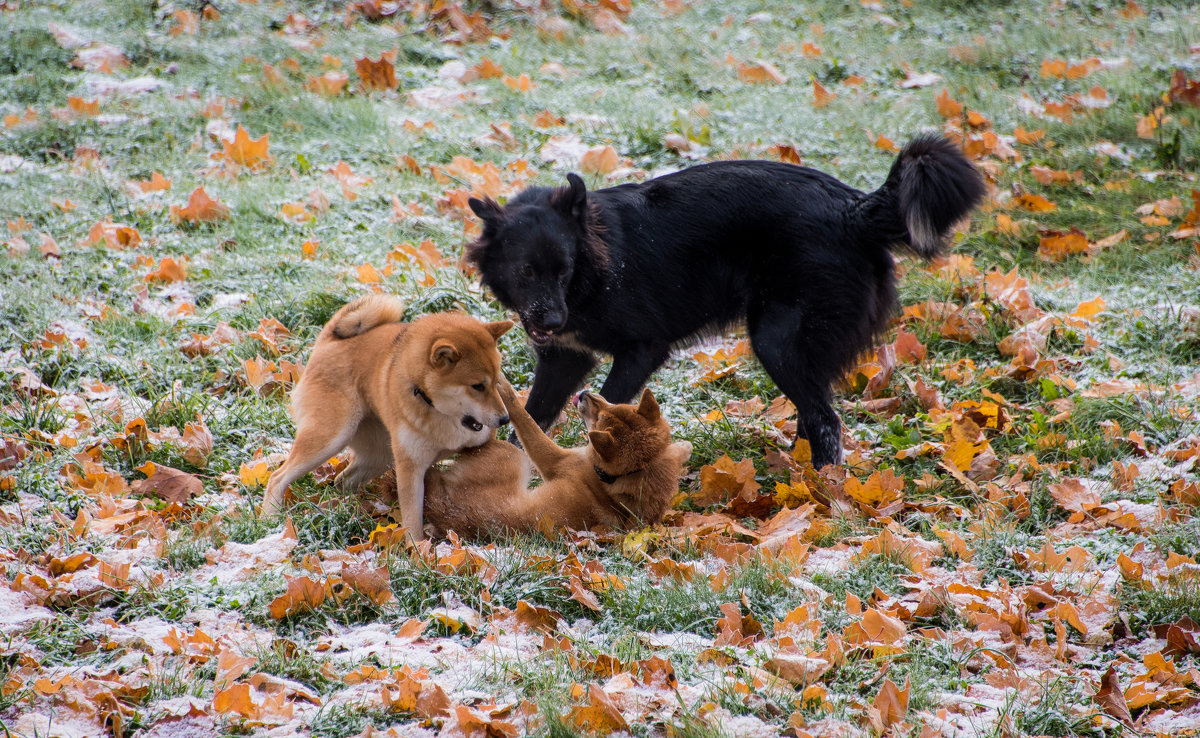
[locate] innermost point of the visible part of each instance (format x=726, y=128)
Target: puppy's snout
x=471, y=423
x=502, y=421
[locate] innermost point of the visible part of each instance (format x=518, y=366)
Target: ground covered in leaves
x=191, y=189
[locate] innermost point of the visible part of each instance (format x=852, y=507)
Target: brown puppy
x=626, y=474
x=402, y=395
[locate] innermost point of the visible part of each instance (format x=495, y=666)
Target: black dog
x=632, y=270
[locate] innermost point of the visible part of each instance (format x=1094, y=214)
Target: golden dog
x=400, y=395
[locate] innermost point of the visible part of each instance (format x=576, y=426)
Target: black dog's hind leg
x=559, y=372
x=631, y=369
x=800, y=363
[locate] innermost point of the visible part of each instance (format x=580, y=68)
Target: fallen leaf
x=167, y=483
x=200, y=208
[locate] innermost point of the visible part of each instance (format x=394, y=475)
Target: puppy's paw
x=507, y=393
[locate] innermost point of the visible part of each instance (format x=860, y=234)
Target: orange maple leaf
x=246, y=151
x=329, y=84
x=947, y=107
x=1056, y=245
x=600, y=160
x=821, y=96
x=760, y=71
x=488, y=69
x=83, y=107
x=168, y=270
x=1034, y=203
x=376, y=75
x=1028, y=138
x=520, y=84
x=200, y=208
x=112, y=235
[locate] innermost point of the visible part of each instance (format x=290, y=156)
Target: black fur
x=802, y=258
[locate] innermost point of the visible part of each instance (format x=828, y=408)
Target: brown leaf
x=1074, y=496
x=1111, y=699
x=600, y=716
x=167, y=483
x=302, y=593
x=760, y=71
x=537, y=618
x=197, y=443
x=890, y=706
x=200, y=208
x=376, y=75
x=725, y=480
x=374, y=584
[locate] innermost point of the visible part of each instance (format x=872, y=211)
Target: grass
x=674, y=73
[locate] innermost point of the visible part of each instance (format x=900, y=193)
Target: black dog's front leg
x=631, y=369
x=559, y=372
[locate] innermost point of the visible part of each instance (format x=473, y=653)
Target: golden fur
x=486, y=490
x=400, y=395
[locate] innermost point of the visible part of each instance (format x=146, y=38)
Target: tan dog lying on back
x=627, y=474
x=402, y=395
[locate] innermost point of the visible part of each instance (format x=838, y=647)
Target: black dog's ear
x=573, y=199
x=487, y=208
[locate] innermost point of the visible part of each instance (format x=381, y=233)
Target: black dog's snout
x=471, y=423
x=554, y=319
x=503, y=421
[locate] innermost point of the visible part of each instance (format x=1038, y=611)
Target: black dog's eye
x=527, y=271
x=478, y=387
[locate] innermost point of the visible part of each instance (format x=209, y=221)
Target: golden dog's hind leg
x=372, y=455
x=314, y=445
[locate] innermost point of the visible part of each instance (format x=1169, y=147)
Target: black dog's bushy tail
x=930, y=187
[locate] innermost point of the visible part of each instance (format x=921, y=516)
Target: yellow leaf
x=1090, y=309
x=254, y=474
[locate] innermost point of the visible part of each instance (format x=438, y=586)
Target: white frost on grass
x=237, y=562
x=19, y=610
x=355, y=644
x=828, y=561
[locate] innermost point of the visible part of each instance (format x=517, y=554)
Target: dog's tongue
x=540, y=336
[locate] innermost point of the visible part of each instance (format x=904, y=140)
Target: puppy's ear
x=443, y=354
x=648, y=407
x=572, y=199
x=487, y=208
x=499, y=328
x=604, y=443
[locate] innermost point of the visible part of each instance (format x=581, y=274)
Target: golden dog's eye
x=478, y=387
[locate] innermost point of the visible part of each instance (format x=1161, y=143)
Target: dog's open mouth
x=471, y=423
x=540, y=336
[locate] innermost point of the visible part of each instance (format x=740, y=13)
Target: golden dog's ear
x=499, y=328
x=443, y=354
x=604, y=443
x=648, y=407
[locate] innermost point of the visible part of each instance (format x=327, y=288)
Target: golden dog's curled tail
x=361, y=315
